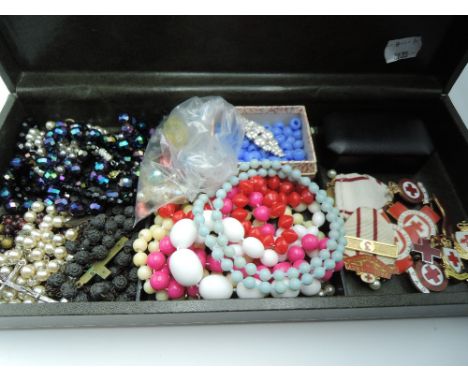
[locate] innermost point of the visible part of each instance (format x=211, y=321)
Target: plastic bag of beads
x=194, y=150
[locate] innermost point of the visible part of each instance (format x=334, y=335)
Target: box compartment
x=50, y=80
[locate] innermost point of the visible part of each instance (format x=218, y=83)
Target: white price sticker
x=402, y=48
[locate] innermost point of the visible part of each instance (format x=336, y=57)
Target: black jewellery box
x=386, y=119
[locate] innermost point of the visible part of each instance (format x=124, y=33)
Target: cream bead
x=167, y=224
x=162, y=296
x=139, y=259
x=2, y=259
x=158, y=232
x=39, y=289
x=47, y=236
x=144, y=272
x=5, y=271
x=147, y=287
x=153, y=246
x=318, y=218
x=40, y=244
x=57, y=221
x=27, y=271
x=60, y=252
x=32, y=282
x=301, y=207
x=49, y=248
x=140, y=245
x=58, y=240
x=187, y=208
x=158, y=220
x=30, y=216
x=20, y=281
x=288, y=211
x=37, y=206
x=145, y=234
x=69, y=258
x=298, y=218
x=308, y=223
x=8, y=294
x=257, y=223
x=71, y=234
x=314, y=207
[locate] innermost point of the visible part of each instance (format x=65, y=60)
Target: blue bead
x=252, y=172
x=299, y=154
x=227, y=187
x=252, y=147
x=296, y=174
x=229, y=251
x=239, y=262
x=222, y=240
x=218, y=203
x=272, y=172
x=237, y=276
x=279, y=125
x=280, y=287
x=251, y=269
x=218, y=226
x=298, y=144
x=265, y=274
x=243, y=175
x=291, y=139
x=295, y=123
x=226, y=265
x=319, y=272
x=293, y=273
x=249, y=282
x=221, y=194
x=331, y=245
x=276, y=165
x=268, y=127
x=337, y=256
x=316, y=261
x=304, y=268
x=210, y=241
x=297, y=134
x=289, y=154
x=307, y=279
x=280, y=138
x=216, y=215
x=276, y=131
x=217, y=253
x=278, y=275
x=287, y=131
x=294, y=284
x=286, y=146
x=265, y=287
x=329, y=264
x=262, y=172
x=244, y=166
x=245, y=143
x=234, y=180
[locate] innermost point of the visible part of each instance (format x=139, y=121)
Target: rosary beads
x=39, y=252
x=77, y=167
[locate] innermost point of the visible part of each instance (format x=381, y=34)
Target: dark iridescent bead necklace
x=80, y=168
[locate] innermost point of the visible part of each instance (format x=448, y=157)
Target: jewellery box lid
x=228, y=44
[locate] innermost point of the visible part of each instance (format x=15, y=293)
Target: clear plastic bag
x=193, y=150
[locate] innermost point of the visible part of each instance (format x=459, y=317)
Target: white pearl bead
x=300, y=230
x=148, y=288
x=30, y=216
x=28, y=227
x=140, y=245
x=44, y=226
x=208, y=219
x=58, y=239
x=145, y=234
x=36, y=254
x=311, y=289
x=39, y=289
x=57, y=221
x=27, y=271
x=215, y=287
x=29, y=242
x=237, y=250
x=19, y=240
x=47, y=219
x=2, y=259
x=269, y=258
x=144, y=272
x=50, y=210
x=47, y=236
x=5, y=271
x=301, y=207
x=253, y=247
x=37, y=206
x=53, y=266
x=243, y=292
x=42, y=275
x=13, y=255
x=49, y=248
x=71, y=234
x=318, y=218
x=60, y=252
x=139, y=259
x=36, y=234
x=39, y=264
x=20, y=281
